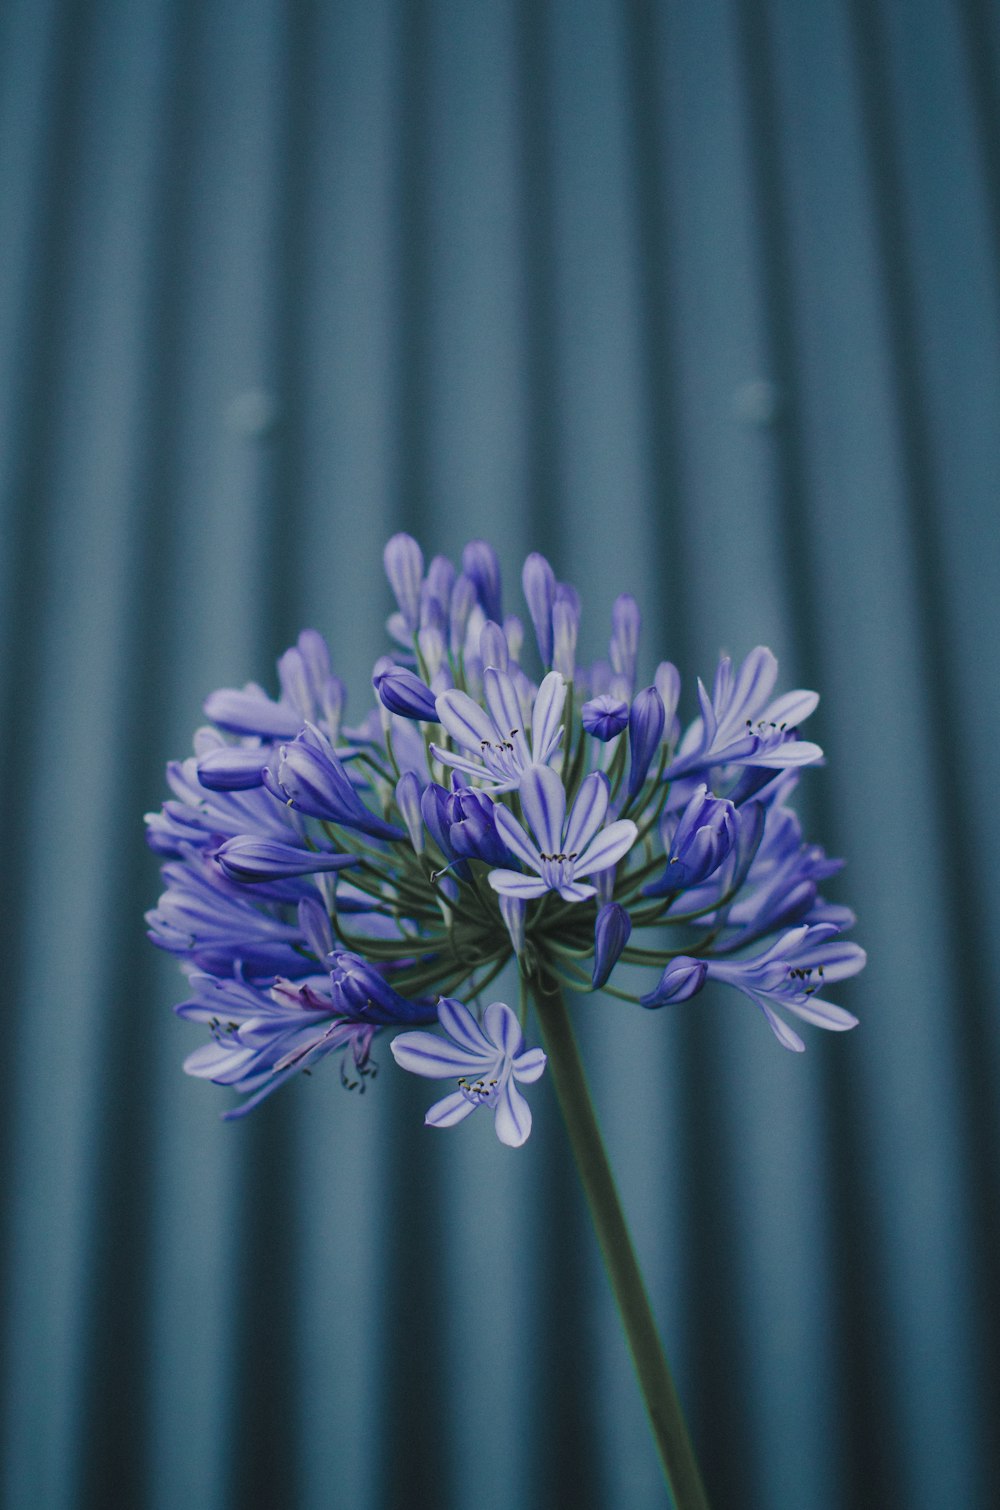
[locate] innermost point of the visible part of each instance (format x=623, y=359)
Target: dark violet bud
x=232, y=768
x=605, y=716
x=404, y=566
x=480, y=564
x=472, y=828
x=246, y=858
x=408, y=801
x=565, y=629
x=434, y=810
x=493, y=648
x=703, y=838
x=463, y=600
x=311, y=779
x=360, y=991
x=645, y=730
x=682, y=978
x=404, y=693
x=611, y=934
x=626, y=622
x=539, y=583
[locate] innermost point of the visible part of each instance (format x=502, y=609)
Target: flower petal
x=516, y=840
x=510, y=883
x=437, y=1059
x=449, y=1111
x=785, y=1035
x=529, y=1066
x=465, y=720
x=545, y=716
x=587, y=813
x=543, y=800
x=512, y=1118
x=822, y=1014
x=503, y=1029
x=460, y=1024
x=608, y=847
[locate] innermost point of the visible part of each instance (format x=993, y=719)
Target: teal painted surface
x=703, y=301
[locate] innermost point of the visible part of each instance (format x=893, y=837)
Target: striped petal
x=529, y=1066
x=543, y=799
x=450, y=1111
x=512, y=1119
x=465, y=720
x=511, y=883
x=427, y=1054
x=459, y=1023
x=516, y=840
x=545, y=716
x=608, y=847
x=503, y=1029
x=588, y=812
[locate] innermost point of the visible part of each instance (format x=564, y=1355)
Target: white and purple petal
x=607, y=848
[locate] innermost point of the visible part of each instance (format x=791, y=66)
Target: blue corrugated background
x=702, y=300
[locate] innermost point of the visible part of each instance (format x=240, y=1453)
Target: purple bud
x=493, y=648
x=248, y=859
x=433, y=648
x=232, y=768
x=435, y=595
x=625, y=624
x=472, y=828
x=682, y=978
x=311, y=779
x=250, y=711
x=645, y=729
x=702, y=839
x=480, y=564
x=408, y=800
x=404, y=566
x=433, y=808
x=405, y=694
x=513, y=910
x=314, y=922
x=565, y=629
x=514, y=631
x=611, y=934
x=463, y=600
x=604, y=716
x=539, y=583
x=359, y=991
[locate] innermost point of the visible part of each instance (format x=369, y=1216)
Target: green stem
x=662, y=1402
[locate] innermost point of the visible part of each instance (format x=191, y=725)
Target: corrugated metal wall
x=702, y=300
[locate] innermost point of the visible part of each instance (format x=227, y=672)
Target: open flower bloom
x=497, y=737
x=740, y=724
x=485, y=1060
x=326, y=883
x=567, y=847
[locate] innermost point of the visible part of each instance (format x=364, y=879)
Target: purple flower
x=787, y=975
x=611, y=933
x=485, y=1060
x=358, y=989
x=481, y=566
x=497, y=737
x=311, y=778
x=740, y=724
x=626, y=622
x=567, y=848
x=697, y=843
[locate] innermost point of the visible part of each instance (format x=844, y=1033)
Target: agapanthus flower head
x=496, y=804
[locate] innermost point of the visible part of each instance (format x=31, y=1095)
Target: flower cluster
x=327, y=882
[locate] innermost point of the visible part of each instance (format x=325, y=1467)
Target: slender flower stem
x=659, y=1393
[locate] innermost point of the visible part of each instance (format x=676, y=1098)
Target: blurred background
x=701, y=300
